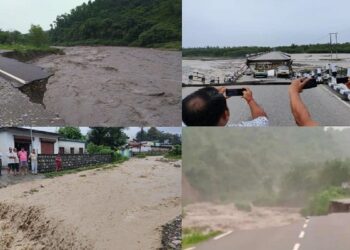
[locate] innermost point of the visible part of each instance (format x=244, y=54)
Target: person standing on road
x=34, y=161
x=23, y=159
x=208, y=107
x=300, y=112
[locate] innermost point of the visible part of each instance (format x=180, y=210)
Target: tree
x=73, y=133
x=37, y=36
x=111, y=137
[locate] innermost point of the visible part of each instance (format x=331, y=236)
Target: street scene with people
x=88, y=188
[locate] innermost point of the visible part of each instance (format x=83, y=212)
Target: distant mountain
x=147, y=23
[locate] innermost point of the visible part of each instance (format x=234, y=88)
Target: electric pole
x=335, y=34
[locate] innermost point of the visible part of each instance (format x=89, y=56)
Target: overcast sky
x=131, y=132
x=20, y=14
x=263, y=22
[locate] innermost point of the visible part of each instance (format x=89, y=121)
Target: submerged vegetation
x=238, y=52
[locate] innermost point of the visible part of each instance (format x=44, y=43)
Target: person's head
x=205, y=107
x=22, y=149
x=10, y=149
x=33, y=151
x=14, y=149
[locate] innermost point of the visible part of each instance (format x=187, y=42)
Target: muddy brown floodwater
x=116, y=86
x=123, y=207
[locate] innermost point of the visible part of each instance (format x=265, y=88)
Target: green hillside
x=284, y=165
x=147, y=23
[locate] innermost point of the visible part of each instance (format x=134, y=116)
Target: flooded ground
x=102, y=86
x=125, y=206
x=214, y=217
x=116, y=86
x=221, y=67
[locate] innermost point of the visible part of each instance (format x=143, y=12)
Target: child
x=58, y=163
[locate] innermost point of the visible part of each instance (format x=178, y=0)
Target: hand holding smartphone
x=312, y=83
x=235, y=92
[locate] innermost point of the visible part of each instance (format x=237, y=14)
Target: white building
x=43, y=142
x=67, y=146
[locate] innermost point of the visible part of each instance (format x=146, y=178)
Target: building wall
x=47, y=163
x=7, y=140
x=71, y=144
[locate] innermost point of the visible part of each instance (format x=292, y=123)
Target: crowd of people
x=19, y=162
x=208, y=107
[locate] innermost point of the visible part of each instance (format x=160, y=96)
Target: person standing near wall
x=11, y=160
x=34, y=161
x=23, y=158
x=16, y=162
x=58, y=161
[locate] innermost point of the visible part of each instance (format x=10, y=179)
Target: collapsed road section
x=29, y=79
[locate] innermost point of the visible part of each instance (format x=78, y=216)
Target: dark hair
x=203, y=107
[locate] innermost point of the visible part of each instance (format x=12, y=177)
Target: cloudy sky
x=263, y=22
x=131, y=132
x=20, y=14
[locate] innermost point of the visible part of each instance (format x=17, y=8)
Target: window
x=81, y=151
x=72, y=151
x=61, y=150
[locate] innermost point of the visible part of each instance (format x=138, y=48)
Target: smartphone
x=342, y=79
x=234, y=92
x=312, y=83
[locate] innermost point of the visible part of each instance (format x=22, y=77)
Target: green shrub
x=243, y=206
x=319, y=203
x=100, y=149
x=191, y=237
x=175, y=153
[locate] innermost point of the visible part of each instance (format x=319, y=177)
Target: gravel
x=172, y=235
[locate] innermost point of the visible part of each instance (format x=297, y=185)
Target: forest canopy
x=147, y=23
x=268, y=166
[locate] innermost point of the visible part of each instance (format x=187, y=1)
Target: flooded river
x=102, y=86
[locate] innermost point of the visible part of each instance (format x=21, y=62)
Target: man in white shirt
x=11, y=161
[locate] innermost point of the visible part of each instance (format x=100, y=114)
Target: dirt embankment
x=124, y=206
x=208, y=216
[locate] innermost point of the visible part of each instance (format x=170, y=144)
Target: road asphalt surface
x=21, y=72
x=324, y=105
x=317, y=233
